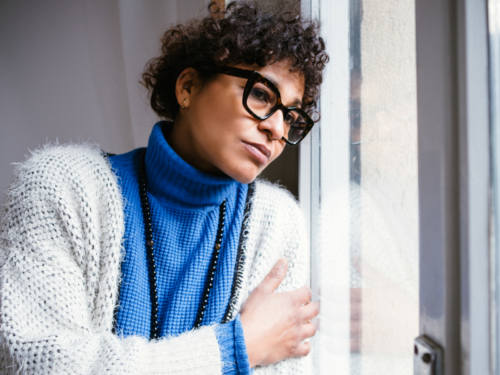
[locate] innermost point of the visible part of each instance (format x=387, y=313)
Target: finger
x=302, y=296
x=309, y=311
x=308, y=330
x=274, y=278
x=302, y=349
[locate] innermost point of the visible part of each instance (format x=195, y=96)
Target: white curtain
x=70, y=71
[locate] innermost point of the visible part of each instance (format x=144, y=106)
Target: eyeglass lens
x=262, y=100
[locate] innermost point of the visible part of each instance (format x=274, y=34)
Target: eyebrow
x=296, y=103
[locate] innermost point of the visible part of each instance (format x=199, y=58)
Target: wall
x=69, y=71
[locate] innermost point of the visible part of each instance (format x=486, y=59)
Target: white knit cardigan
x=60, y=252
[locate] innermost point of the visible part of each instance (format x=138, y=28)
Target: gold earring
x=184, y=104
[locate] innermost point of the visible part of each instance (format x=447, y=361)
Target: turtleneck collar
x=175, y=182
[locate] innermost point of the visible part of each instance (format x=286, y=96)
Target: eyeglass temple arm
x=235, y=72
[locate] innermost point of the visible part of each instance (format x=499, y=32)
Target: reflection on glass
x=384, y=207
x=366, y=258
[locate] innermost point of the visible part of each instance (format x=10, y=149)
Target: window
x=364, y=190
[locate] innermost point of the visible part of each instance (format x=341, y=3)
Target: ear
x=184, y=86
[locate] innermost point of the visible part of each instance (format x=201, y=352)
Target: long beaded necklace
x=150, y=254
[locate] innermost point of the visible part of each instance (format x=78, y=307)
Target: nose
x=274, y=124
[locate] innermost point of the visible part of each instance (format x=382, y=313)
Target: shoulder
x=56, y=164
x=62, y=175
x=275, y=202
x=59, y=162
x=276, y=229
x=68, y=191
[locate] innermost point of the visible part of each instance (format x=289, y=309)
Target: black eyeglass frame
x=253, y=77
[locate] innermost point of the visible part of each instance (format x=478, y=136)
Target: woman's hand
x=275, y=324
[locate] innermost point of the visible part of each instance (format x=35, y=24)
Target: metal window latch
x=427, y=357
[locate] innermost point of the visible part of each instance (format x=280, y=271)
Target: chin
x=245, y=178
x=245, y=175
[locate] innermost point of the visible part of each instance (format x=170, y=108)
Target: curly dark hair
x=244, y=35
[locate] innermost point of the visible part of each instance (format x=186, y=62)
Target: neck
x=173, y=180
x=182, y=141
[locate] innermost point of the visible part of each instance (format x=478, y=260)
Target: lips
x=259, y=151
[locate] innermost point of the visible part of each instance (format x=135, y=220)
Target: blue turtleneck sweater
x=184, y=205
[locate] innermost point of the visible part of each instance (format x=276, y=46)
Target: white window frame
x=334, y=125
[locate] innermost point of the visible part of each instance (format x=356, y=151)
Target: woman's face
x=215, y=133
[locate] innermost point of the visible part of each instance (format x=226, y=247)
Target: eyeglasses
x=261, y=98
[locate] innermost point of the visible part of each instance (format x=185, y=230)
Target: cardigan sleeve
x=276, y=230
x=60, y=248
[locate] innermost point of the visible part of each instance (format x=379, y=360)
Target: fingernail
x=281, y=264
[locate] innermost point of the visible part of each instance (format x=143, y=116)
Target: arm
x=277, y=230
x=59, y=258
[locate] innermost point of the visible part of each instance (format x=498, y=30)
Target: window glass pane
x=365, y=204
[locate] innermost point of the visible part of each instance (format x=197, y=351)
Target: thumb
x=274, y=278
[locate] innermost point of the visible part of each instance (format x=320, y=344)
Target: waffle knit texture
x=60, y=255
x=184, y=204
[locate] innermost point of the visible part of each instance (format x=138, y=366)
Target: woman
x=164, y=260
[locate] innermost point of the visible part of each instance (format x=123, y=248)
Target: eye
x=260, y=95
x=295, y=120
x=291, y=118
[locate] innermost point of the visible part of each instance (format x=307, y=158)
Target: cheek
x=219, y=124
x=216, y=115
